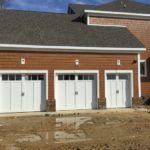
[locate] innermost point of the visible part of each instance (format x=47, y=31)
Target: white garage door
x=22, y=93
x=118, y=90
x=76, y=91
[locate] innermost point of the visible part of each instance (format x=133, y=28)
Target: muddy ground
x=109, y=130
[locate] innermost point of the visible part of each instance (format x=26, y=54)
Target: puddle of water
x=112, y=122
x=63, y=137
x=74, y=121
x=29, y=138
x=75, y=134
x=3, y=124
x=12, y=147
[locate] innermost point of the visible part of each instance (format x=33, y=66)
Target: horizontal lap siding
x=141, y=29
x=60, y=61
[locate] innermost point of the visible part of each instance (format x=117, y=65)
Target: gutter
x=19, y=47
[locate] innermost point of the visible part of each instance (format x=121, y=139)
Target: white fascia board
x=18, y=47
x=105, y=25
x=116, y=13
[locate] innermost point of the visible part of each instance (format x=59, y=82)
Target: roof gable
x=116, y=6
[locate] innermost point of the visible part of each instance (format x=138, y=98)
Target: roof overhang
x=19, y=47
x=118, y=14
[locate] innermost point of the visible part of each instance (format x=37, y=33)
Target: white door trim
x=28, y=72
x=139, y=74
x=75, y=72
x=121, y=71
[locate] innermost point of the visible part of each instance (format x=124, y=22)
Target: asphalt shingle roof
x=116, y=5
x=36, y=28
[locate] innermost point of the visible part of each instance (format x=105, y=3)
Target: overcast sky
x=53, y=5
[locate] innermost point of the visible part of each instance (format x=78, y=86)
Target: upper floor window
x=143, y=68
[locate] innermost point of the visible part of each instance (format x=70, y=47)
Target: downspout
x=139, y=75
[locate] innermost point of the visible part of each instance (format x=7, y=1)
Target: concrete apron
x=72, y=112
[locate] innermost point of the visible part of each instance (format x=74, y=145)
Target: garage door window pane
x=11, y=77
x=5, y=77
x=80, y=77
x=18, y=77
x=111, y=77
x=34, y=77
x=86, y=77
x=72, y=77
x=28, y=77
x=60, y=77
x=91, y=77
x=123, y=77
x=41, y=77
x=66, y=77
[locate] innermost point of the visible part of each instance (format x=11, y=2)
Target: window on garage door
x=11, y=77
x=34, y=77
x=66, y=77
x=85, y=77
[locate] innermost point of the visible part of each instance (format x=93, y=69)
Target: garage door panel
x=22, y=92
x=128, y=101
x=5, y=100
x=118, y=90
x=121, y=96
x=39, y=96
x=78, y=92
x=16, y=98
x=80, y=95
x=70, y=95
x=124, y=97
x=61, y=95
x=91, y=94
x=111, y=93
x=111, y=88
x=28, y=98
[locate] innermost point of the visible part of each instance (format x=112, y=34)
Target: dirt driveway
x=109, y=130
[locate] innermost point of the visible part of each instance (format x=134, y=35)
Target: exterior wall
x=66, y=61
x=141, y=29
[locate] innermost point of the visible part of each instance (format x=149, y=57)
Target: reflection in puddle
x=71, y=129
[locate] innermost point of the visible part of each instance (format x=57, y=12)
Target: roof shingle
x=35, y=28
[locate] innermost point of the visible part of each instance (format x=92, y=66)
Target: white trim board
x=28, y=72
x=105, y=25
x=75, y=72
x=19, y=47
x=117, y=13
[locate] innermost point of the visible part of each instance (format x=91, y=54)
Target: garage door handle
x=76, y=93
x=22, y=94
